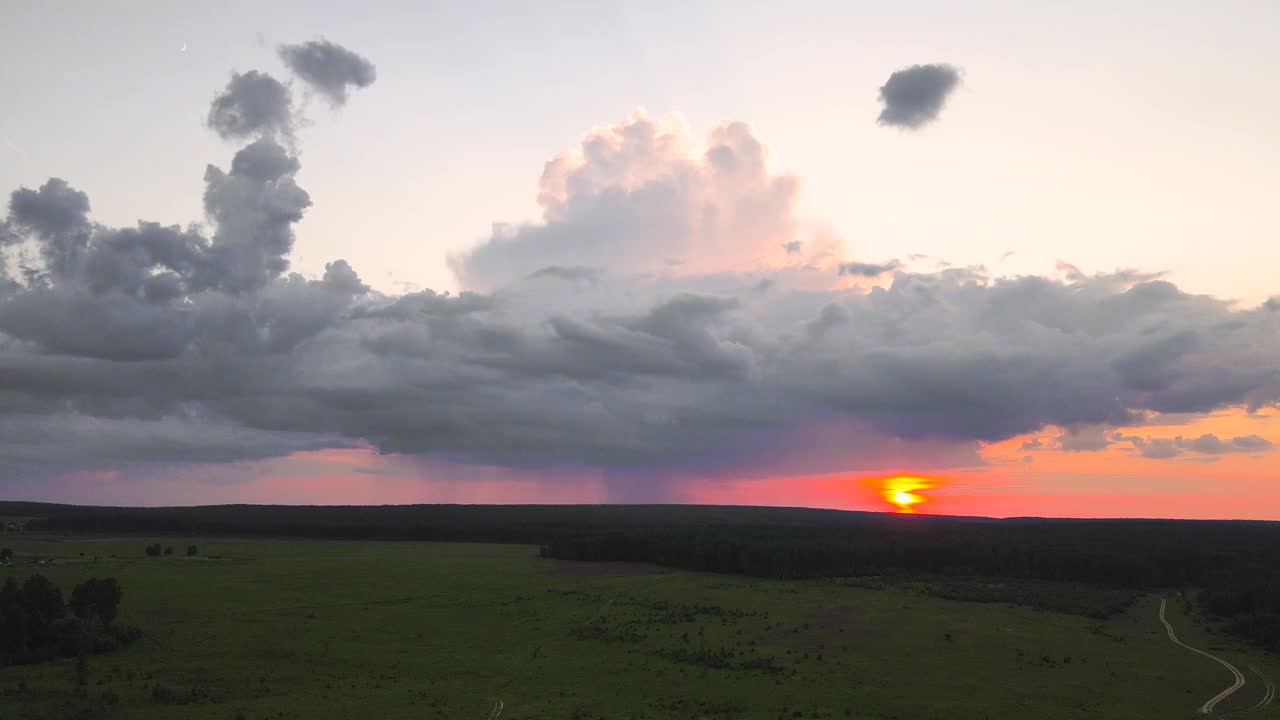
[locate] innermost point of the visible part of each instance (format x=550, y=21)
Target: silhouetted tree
x=42, y=598
x=13, y=620
x=168, y=550
x=154, y=550
x=96, y=598
x=6, y=554
x=191, y=550
x=34, y=625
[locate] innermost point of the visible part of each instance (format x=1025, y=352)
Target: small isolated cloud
x=1252, y=443
x=868, y=270
x=1159, y=448
x=252, y=103
x=1210, y=444
x=792, y=247
x=1207, y=444
x=1084, y=439
x=914, y=96
x=1032, y=444
x=329, y=68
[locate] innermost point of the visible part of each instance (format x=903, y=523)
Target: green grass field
x=421, y=630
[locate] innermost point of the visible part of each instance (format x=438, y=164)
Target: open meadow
x=264, y=629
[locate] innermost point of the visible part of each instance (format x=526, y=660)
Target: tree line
x=1239, y=580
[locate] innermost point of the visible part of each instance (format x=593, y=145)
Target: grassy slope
x=337, y=630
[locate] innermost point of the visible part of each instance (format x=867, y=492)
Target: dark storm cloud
x=329, y=68
x=574, y=343
x=914, y=96
x=31, y=445
x=252, y=103
x=868, y=270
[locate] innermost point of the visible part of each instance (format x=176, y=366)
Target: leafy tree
x=13, y=620
x=96, y=598
x=6, y=554
x=43, y=599
x=191, y=550
x=168, y=550
x=34, y=626
x=154, y=550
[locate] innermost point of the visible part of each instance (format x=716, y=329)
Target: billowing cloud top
x=329, y=68
x=914, y=96
x=666, y=314
x=253, y=103
x=646, y=196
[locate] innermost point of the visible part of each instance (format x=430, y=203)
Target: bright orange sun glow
x=903, y=491
x=904, y=499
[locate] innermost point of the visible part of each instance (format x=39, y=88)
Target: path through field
x=1267, y=696
x=1209, y=704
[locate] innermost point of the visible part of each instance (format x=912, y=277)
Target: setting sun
x=903, y=491
x=904, y=499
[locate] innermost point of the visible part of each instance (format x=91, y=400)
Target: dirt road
x=1209, y=704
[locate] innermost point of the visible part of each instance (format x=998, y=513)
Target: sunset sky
x=710, y=252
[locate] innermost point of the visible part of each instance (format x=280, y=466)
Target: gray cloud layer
x=576, y=343
x=914, y=96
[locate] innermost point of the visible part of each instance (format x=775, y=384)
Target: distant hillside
x=498, y=523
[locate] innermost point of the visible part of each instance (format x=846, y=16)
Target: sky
x=740, y=253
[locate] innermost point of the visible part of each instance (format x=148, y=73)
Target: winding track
x=1209, y=704
x=1267, y=696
